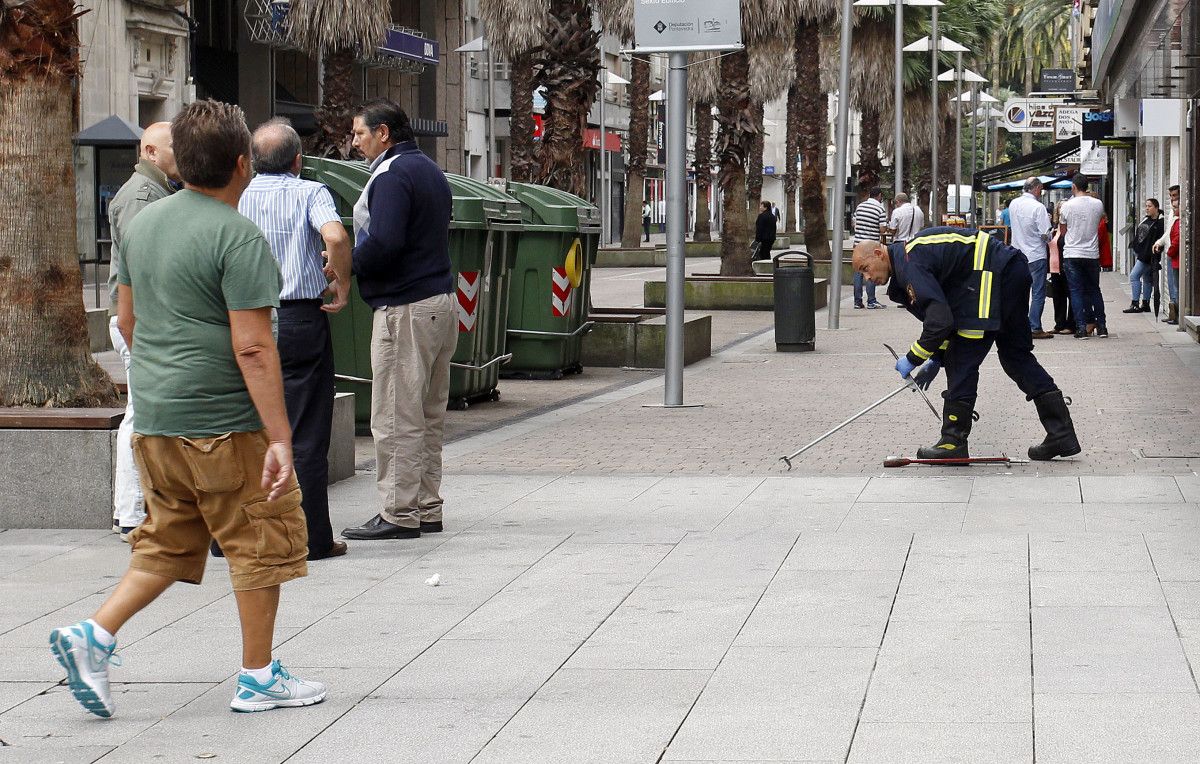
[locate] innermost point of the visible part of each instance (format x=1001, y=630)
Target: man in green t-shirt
x=196, y=286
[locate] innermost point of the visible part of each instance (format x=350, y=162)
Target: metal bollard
x=795, y=314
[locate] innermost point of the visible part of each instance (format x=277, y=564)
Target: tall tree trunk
x=946, y=160
x=703, y=171
x=869, y=164
x=635, y=167
x=791, y=177
x=335, y=117
x=814, y=135
x=754, y=165
x=1027, y=138
x=570, y=62
x=44, y=351
x=736, y=119
x=520, y=141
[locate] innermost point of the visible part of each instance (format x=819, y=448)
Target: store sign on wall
x=1068, y=121
x=1029, y=115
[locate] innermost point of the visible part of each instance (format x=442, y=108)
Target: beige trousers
x=411, y=347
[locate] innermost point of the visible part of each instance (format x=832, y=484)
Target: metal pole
x=788, y=459
x=958, y=135
x=937, y=122
x=898, y=100
x=491, y=123
x=974, y=144
x=604, y=240
x=839, y=175
x=676, y=217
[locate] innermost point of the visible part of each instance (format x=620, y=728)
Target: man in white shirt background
x=1079, y=224
x=1030, y=224
x=907, y=219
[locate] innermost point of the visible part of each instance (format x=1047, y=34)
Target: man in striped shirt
x=299, y=220
x=870, y=216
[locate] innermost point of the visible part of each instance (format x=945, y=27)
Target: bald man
x=301, y=223
x=154, y=177
x=907, y=219
x=970, y=291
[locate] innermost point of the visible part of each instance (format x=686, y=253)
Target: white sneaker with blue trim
x=284, y=691
x=86, y=662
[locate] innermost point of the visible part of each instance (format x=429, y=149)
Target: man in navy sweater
x=402, y=261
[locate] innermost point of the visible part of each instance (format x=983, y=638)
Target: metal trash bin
x=795, y=311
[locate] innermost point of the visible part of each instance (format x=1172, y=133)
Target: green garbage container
x=350, y=327
x=484, y=232
x=551, y=280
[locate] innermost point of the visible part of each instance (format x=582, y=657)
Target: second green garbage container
x=484, y=233
x=551, y=279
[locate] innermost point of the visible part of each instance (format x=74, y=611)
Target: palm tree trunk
x=870, y=166
x=814, y=135
x=736, y=120
x=635, y=168
x=1027, y=138
x=754, y=165
x=791, y=178
x=520, y=141
x=335, y=116
x=703, y=170
x=44, y=350
x=570, y=62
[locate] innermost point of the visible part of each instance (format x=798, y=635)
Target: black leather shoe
x=337, y=549
x=377, y=528
x=215, y=549
x=434, y=527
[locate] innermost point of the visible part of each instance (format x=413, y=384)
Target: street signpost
x=1030, y=115
x=678, y=28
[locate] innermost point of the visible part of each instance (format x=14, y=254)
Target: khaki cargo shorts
x=205, y=488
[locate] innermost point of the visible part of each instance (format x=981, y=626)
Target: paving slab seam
x=552, y=674
x=1171, y=612
x=878, y=649
x=1032, y=677
x=728, y=647
x=426, y=649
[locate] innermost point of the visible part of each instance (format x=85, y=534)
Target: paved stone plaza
x=629, y=584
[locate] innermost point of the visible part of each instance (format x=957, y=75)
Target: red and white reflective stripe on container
x=468, y=299
x=561, y=293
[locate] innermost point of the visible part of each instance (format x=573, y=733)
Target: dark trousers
x=646, y=227
x=1061, y=295
x=1083, y=279
x=1013, y=341
x=306, y=354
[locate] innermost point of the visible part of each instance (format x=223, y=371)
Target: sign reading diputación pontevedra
x=666, y=26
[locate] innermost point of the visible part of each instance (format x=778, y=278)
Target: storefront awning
x=111, y=131
x=1033, y=163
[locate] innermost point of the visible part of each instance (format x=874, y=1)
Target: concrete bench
x=59, y=463
x=636, y=338
x=59, y=467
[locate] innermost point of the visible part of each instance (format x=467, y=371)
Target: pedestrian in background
x=1170, y=243
x=870, y=222
x=764, y=232
x=646, y=219
x=1144, y=274
x=1030, y=229
x=1006, y=208
x=402, y=261
x=301, y=223
x=195, y=290
x=154, y=177
x=907, y=220
x=1079, y=222
x=1064, y=323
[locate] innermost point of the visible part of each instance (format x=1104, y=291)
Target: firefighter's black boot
x=956, y=426
x=1060, y=432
